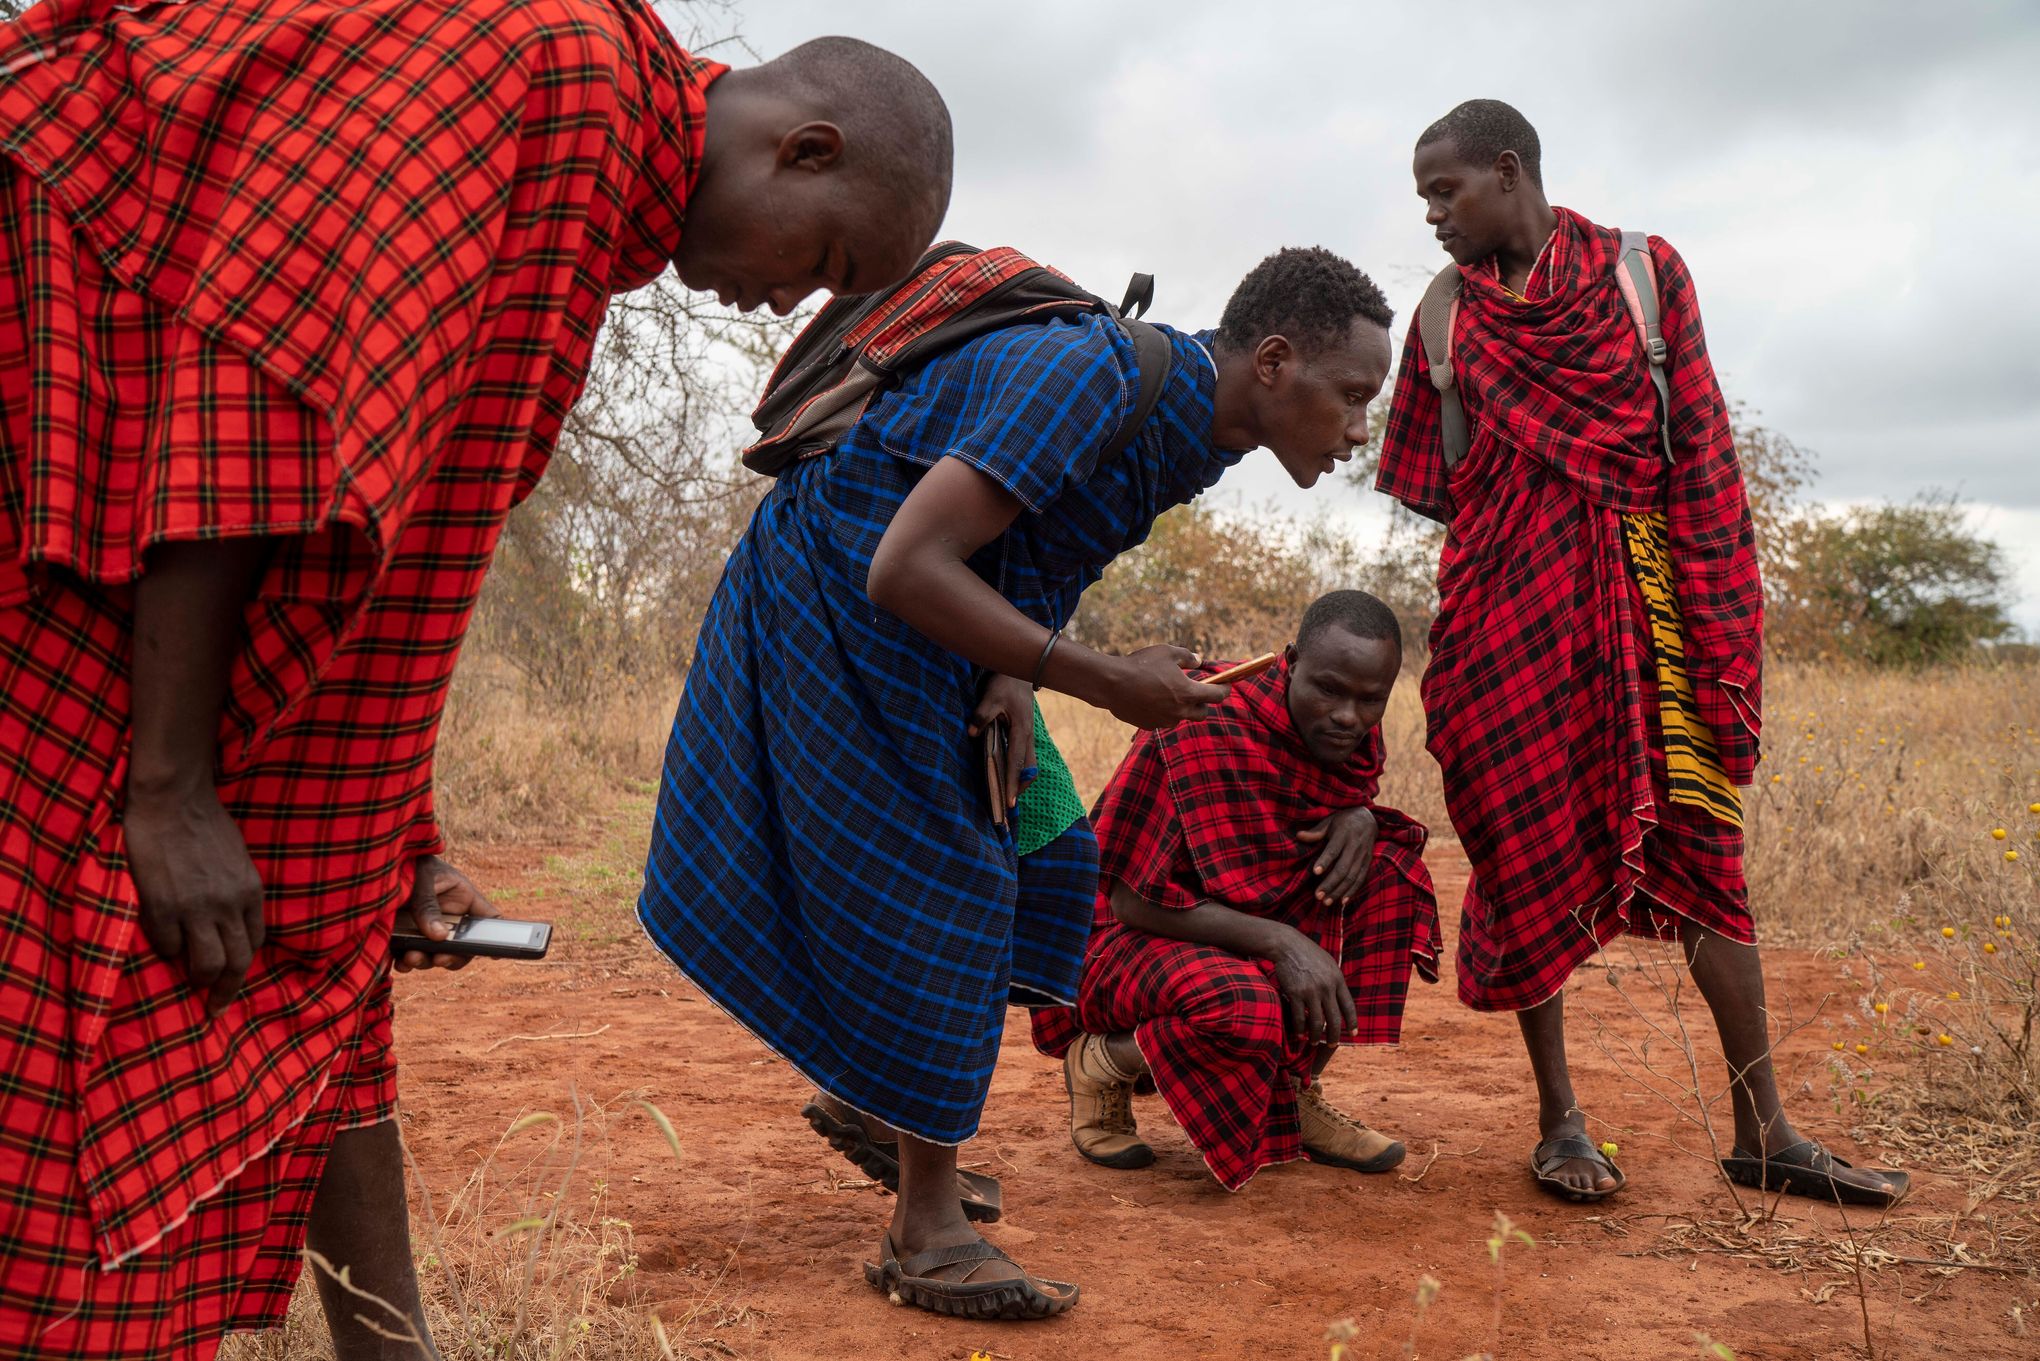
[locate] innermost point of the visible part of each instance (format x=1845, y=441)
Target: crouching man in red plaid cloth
x=1593, y=689
x=294, y=296
x=1256, y=910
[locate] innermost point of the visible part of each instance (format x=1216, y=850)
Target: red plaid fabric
x=232, y=1263
x=1541, y=690
x=325, y=272
x=943, y=289
x=1209, y=811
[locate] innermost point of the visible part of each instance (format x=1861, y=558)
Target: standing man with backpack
x=1593, y=693
x=294, y=297
x=828, y=864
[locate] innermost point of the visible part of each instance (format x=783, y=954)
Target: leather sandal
x=1553, y=1153
x=1807, y=1169
x=908, y=1282
x=981, y=1196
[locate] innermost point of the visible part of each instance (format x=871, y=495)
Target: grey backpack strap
x=1637, y=278
x=1434, y=326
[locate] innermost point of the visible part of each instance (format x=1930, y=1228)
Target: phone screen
x=489, y=931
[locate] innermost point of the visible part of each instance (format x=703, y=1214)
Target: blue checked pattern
x=822, y=866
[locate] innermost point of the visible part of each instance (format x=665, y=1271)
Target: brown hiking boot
x=1332, y=1137
x=1101, y=1107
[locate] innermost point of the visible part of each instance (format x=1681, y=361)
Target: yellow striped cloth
x=1692, y=763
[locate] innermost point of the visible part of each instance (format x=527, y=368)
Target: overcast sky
x=1856, y=186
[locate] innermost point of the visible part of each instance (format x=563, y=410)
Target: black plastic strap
x=1140, y=295
x=1151, y=349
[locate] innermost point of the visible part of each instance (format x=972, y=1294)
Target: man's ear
x=1508, y=171
x=1271, y=356
x=1289, y=655
x=811, y=147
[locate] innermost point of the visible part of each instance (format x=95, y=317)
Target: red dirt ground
x=1170, y=1265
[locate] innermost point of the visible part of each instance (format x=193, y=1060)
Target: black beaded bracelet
x=1054, y=637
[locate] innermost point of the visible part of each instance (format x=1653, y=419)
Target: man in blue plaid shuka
x=823, y=865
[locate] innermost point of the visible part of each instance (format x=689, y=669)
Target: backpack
x=860, y=346
x=1635, y=275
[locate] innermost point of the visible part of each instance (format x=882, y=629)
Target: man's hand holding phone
x=440, y=896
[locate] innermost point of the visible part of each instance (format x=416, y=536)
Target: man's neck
x=1517, y=256
x=1232, y=417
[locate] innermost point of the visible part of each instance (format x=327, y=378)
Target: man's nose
x=1357, y=430
x=1434, y=212
x=786, y=297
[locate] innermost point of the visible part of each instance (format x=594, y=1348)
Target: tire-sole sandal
x=1011, y=1301
x=1553, y=1152
x=980, y=1196
x=1807, y=1169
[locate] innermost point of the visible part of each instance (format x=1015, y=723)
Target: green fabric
x=1049, y=805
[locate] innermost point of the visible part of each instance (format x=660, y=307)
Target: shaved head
x=896, y=127
x=825, y=168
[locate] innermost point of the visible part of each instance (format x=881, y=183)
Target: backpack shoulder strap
x=1636, y=276
x=1156, y=357
x=1435, y=317
x=1140, y=295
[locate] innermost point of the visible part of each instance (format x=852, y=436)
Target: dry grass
x=525, y=1262
x=1897, y=821
x=515, y=769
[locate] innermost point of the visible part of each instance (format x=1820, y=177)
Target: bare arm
x=1314, y=992
x=200, y=898
x=921, y=573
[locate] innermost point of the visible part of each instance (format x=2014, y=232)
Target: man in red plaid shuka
x=294, y=296
x=1256, y=910
x=1593, y=690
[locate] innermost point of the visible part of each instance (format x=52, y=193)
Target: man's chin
x=1303, y=476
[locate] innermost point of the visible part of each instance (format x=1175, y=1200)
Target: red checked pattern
x=1209, y=811
x=1541, y=691
x=409, y=218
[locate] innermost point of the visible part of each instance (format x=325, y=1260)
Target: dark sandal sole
x=1007, y=1301
x=1811, y=1183
x=854, y=1143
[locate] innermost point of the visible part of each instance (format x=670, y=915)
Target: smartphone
x=996, y=751
x=484, y=937
x=1244, y=669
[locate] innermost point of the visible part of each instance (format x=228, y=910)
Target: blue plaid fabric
x=822, y=864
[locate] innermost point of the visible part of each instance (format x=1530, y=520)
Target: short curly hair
x=1482, y=129
x=1304, y=293
x=1357, y=612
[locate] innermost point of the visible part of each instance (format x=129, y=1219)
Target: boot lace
x=1314, y=1097
x=1117, y=1112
